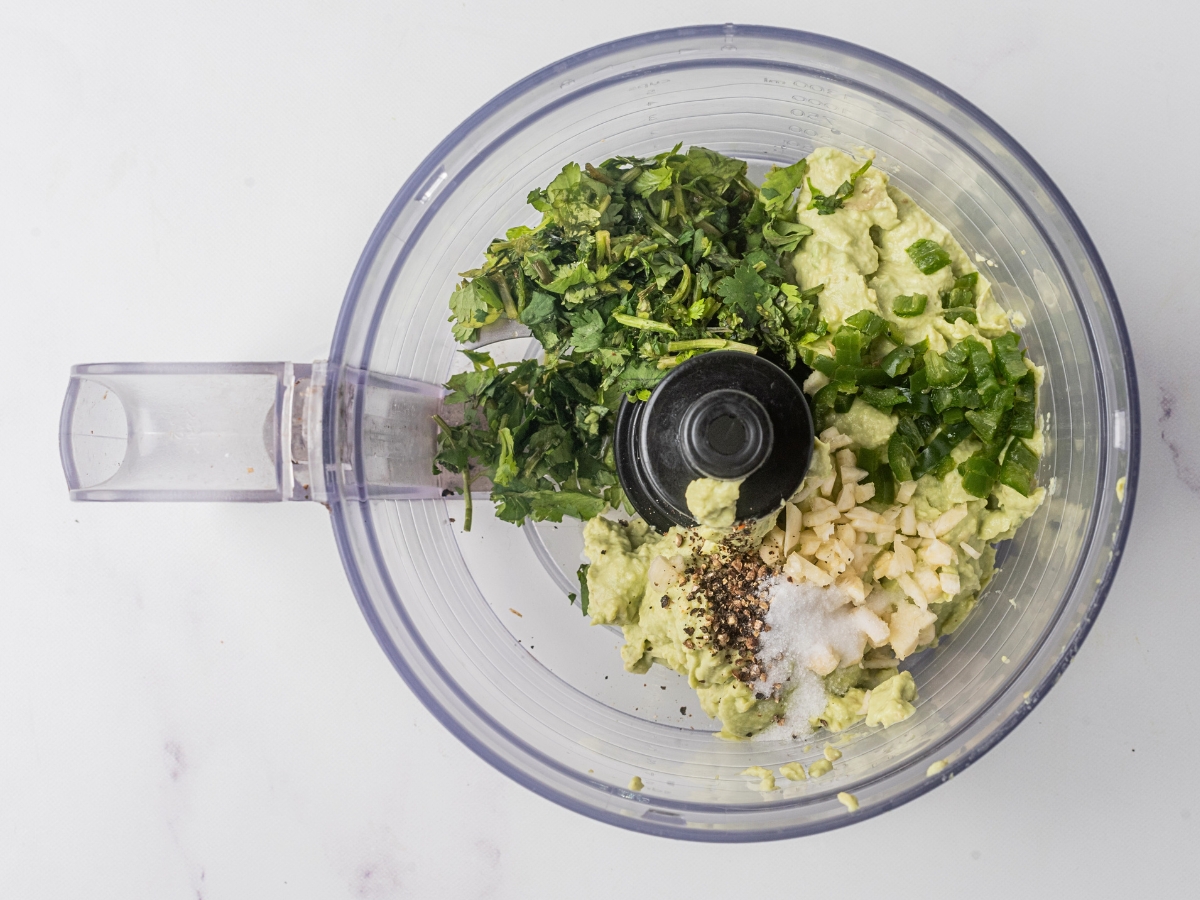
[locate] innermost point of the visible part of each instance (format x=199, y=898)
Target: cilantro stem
x=596, y=174
x=709, y=344
x=510, y=308
x=644, y=324
x=685, y=282
x=467, y=505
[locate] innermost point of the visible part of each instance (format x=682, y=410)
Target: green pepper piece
x=898, y=361
x=1019, y=468
x=910, y=432
x=962, y=293
x=884, y=399
x=956, y=354
x=946, y=398
x=870, y=459
x=954, y=313
x=843, y=402
x=826, y=365
x=923, y=405
x=901, y=456
x=939, y=448
x=1009, y=359
x=1023, y=419
x=941, y=372
x=1025, y=389
x=871, y=325
x=879, y=474
x=847, y=345
x=822, y=402
x=907, y=307
x=928, y=255
x=986, y=422
x=870, y=375
x=944, y=468
x=980, y=362
x=885, y=485
x=978, y=475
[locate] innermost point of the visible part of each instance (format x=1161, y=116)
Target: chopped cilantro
x=828, y=205
x=639, y=264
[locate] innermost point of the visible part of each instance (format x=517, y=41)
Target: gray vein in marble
x=1179, y=427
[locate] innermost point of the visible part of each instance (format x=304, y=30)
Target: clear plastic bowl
x=541, y=696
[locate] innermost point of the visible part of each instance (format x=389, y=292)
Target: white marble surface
x=192, y=705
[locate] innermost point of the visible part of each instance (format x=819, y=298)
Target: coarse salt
x=810, y=625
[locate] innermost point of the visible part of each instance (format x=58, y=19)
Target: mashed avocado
x=713, y=502
x=636, y=580
x=885, y=574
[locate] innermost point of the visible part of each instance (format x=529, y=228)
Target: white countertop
x=192, y=704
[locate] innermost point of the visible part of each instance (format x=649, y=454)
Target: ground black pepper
x=729, y=581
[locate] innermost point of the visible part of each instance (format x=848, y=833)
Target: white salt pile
x=814, y=630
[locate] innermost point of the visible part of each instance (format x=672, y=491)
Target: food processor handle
x=247, y=431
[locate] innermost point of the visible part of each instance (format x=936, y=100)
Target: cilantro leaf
x=506, y=467
x=473, y=304
x=638, y=375
x=540, y=308
x=785, y=236
x=780, y=184
x=572, y=200
x=587, y=330
x=827, y=206
x=744, y=290
x=653, y=180
x=545, y=505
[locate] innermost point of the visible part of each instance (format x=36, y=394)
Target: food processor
x=483, y=624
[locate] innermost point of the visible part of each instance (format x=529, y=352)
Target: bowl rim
x=419, y=183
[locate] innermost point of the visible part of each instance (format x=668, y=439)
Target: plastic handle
x=250, y=431
x=178, y=431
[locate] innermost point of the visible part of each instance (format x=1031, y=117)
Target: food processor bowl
x=480, y=623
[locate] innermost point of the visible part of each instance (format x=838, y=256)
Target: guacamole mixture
x=926, y=412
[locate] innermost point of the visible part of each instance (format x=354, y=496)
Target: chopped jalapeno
x=961, y=312
x=898, y=361
x=1019, y=468
x=1023, y=419
x=941, y=372
x=978, y=475
x=981, y=368
x=989, y=423
x=928, y=255
x=871, y=325
x=879, y=474
x=945, y=398
x=847, y=345
x=906, y=307
x=901, y=457
x=1009, y=360
x=939, y=448
x=883, y=398
x=962, y=293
